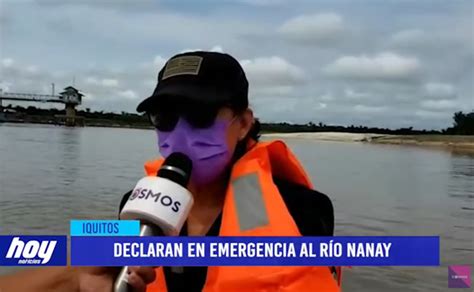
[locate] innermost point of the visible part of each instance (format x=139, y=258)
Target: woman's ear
x=246, y=122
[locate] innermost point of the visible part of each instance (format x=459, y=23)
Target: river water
x=49, y=175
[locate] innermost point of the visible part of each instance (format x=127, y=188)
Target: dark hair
x=253, y=134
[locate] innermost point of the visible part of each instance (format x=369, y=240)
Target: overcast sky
x=376, y=63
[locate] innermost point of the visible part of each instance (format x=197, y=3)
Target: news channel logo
x=459, y=277
x=33, y=250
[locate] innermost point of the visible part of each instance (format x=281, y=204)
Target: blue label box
x=105, y=228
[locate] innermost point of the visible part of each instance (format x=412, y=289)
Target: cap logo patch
x=185, y=65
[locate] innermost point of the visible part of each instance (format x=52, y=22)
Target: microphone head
x=177, y=168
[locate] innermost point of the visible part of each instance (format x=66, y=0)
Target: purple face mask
x=207, y=148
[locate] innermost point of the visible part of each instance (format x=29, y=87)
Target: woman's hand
x=82, y=279
x=94, y=279
x=140, y=277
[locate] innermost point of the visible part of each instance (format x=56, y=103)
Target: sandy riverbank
x=452, y=142
x=327, y=136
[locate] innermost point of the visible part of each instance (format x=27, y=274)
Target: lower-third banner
x=255, y=251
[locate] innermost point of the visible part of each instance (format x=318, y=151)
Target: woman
x=241, y=187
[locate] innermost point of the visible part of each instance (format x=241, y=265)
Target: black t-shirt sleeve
x=312, y=211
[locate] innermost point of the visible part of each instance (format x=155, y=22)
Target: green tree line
x=463, y=123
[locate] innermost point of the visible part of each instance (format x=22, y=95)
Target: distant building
x=71, y=95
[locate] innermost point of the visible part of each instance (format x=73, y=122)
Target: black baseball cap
x=204, y=77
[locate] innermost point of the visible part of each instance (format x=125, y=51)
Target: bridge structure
x=70, y=97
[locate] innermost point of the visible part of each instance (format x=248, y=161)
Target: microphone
x=161, y=203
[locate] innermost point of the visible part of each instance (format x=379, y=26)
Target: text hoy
x=31, y=252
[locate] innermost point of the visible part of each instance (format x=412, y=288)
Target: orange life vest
x=253, y=206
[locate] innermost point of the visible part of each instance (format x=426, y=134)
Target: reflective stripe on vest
x=253, y=206
x=249, y=202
